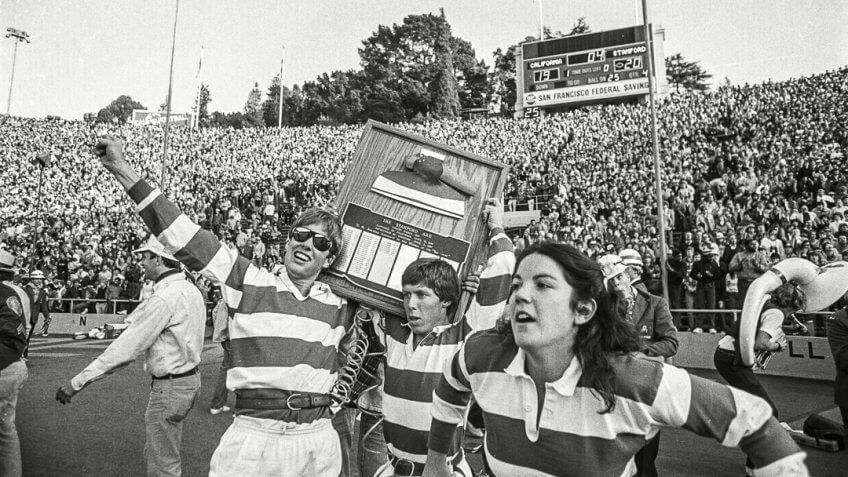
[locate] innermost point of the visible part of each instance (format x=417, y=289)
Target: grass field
x=101, y=433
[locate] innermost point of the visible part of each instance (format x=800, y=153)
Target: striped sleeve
x=198, y=249
x=449, y=402
x=489, y=303
x=729, y=415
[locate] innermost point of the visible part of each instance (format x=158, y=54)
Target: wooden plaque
x=405, y=197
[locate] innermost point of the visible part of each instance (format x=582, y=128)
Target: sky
x=85, y=53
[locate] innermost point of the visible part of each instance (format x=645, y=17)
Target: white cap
x=630, y=257
x=154, y=246
x=36, y=274
x=611, y=265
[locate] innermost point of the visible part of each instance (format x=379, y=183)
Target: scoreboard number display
x=584, y=68
x=541, y=76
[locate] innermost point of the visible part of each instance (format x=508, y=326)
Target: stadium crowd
x=752, y=174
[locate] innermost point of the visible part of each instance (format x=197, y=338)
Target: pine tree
x=445, y=97
x=688, y=74
x=253, y=106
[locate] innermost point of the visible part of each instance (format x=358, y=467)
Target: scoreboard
x=584, y=68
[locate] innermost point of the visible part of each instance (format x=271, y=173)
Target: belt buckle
x=288, y=402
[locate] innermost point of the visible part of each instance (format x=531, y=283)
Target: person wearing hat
x=635, y=267
x=651, y=317
x=706, y=273
x=38, y=304
x=13, y=370
x=284, y=335
x=168, y=328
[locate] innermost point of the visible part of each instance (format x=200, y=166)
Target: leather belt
x=287, y=400
x=404, y=467
x=190, y=372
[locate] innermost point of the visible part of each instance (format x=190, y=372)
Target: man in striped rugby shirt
x=284, y=333
x=417, y=349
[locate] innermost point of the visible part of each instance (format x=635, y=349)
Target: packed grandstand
x=762, y=162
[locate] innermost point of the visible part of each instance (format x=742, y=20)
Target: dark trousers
x=646, y=457
x=725, y=320
x=674, y=299
x=740, y=376
x=705, y=299
x=743, y=289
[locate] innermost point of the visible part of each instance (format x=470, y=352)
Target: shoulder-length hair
x=606, y=335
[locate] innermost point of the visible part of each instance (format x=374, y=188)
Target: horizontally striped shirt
x=280, y=339
x=411, y=374
x=570, y=437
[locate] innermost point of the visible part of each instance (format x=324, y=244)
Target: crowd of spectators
x=755, y=167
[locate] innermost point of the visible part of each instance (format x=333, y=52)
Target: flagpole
x=199, y=77
x=649, y=41
x=541, y=23
x=280, y=95
x=168, y=105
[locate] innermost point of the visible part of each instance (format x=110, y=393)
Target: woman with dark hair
x=785, y=300
x=564, y=390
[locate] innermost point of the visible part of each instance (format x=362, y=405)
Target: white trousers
x=258, y=447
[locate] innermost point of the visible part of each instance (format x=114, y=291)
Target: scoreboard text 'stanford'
x=584, y=68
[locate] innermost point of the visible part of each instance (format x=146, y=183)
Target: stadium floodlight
x=18, y=36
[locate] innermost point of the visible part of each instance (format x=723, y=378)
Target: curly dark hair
x=606, y=335
x=789, y=295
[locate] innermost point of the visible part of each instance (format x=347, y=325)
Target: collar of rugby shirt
x=436, y=331
x=565, y=385
x=318, y=288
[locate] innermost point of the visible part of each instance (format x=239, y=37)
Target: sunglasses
x=322, y=243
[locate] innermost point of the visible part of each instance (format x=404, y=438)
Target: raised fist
x=110, y=150
x=494, y=213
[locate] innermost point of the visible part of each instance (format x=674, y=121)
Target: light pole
x=649, y=41
x=280, y=112
x=168, y=106
x=17, y=36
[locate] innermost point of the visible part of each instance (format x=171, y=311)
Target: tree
x=271, y=105
x=443, y=88
x=235, y=120
x=253, y=107
x=118, y=110
x=580, y=27
x=403, y=58
x=203, y=100
x=502, y=78
x=688, y=74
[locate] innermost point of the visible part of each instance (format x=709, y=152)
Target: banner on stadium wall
x=805, y=356
x=70, y=323
x=585, y=92
x=143, y=116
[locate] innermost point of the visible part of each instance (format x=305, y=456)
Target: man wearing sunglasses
x=284, y=333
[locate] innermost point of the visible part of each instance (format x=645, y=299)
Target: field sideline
x=101, y=431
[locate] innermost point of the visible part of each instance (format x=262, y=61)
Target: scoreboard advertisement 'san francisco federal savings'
x=584, y=68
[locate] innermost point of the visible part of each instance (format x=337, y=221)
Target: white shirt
x=771, y=322
x=169, y=327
